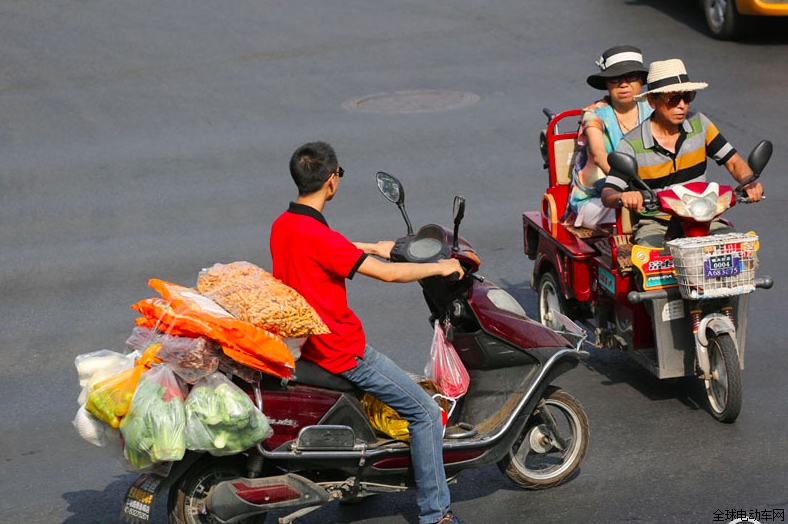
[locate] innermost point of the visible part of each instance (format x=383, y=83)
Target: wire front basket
x=715, y=266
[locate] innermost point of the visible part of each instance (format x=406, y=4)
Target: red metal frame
x=559, y=192
x=576, y=264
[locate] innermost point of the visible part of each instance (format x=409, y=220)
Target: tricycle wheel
x=550, y=299
x=723, y=387
x=552, y=445
x=186, y=500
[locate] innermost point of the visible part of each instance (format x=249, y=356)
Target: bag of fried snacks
x=254, y=295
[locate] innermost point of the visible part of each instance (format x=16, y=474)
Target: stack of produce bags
x=171, y=393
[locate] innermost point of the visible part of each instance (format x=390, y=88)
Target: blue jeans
x=379, y=376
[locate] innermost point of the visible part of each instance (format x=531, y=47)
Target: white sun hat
x=669, y=76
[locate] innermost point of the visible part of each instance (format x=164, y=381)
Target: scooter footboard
x=497, y=398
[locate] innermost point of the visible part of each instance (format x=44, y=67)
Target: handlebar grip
x=454, y=277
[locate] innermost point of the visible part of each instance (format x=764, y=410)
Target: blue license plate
x=721, y=266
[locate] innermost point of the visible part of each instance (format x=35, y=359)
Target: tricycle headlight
x=703, y=208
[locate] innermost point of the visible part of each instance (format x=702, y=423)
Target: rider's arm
x=629, y=199
x=615, y=193
x=741, y=171
x=380, y=249
x=596, y=149
x=408, y=272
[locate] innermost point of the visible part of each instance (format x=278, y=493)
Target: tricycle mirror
x=624, y=164
x=760, y=156
x=391, y=188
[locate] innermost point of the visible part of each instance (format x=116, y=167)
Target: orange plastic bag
x=184, y=312
x=110, y=399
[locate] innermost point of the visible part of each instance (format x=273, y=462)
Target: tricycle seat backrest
x=559, y=155
x=564, y=157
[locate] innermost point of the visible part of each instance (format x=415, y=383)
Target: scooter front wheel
x=552, y=445
x=186, y=501
x=723, y=387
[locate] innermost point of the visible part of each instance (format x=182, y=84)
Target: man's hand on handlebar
x=631, y=200
x=449, y=266
x=754, y=191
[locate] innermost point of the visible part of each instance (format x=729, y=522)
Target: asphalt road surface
x=150, y=139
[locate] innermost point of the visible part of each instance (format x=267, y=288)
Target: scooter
x=677, y=312
x=323, y=447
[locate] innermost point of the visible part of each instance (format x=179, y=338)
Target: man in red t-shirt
x=315, y=260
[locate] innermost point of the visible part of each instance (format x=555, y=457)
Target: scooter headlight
x=701, y=208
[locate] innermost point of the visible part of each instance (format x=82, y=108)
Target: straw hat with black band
x=669, y=76
x=617, y=61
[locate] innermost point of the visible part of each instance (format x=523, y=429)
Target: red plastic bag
x=445, y=367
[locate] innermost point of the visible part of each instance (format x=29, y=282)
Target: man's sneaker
x=451, y=518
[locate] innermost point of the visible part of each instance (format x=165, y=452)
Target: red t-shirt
x=315, y=260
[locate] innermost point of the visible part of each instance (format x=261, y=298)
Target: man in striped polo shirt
x=671, y=147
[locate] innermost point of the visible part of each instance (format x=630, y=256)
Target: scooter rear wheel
x=724, y=389
x=186, y=500
x=537, y=459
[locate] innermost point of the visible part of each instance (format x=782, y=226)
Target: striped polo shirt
x=660, y=168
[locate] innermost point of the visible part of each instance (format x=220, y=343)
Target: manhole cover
x=415, y=101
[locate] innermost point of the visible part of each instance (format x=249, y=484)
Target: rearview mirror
x=626, y=166
x=391, y=188
x=760, y=156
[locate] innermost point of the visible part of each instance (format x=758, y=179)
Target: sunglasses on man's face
x=673, y=99
x=340, y=172
x=628, y=78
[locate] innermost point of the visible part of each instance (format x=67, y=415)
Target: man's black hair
x=311, y=165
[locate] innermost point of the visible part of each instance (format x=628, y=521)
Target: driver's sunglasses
x=339, y=172
x=673, y=99
x=628, y=78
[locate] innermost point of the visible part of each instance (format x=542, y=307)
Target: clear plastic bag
x=99, y=365
x=221, y=418
x=94, y=430
x=445, y=366
x=254, y=295
x=190, y=358
x=154, y=428
x=109, y=399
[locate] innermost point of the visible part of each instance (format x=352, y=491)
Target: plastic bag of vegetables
x=154, y=427
x=99, y=365
x=110, y=399
x=221, y=419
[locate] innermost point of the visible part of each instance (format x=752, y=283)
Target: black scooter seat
x=309, y=373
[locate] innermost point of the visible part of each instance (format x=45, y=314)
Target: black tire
x=535, y=461
x=550, y=299
x=724, y=388
x=185, y=500
x=724, y=22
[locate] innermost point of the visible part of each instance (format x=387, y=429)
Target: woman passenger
x=603, y=124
